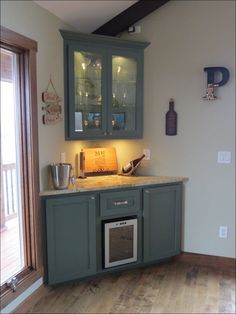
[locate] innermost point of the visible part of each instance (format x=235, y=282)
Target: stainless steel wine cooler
x=120, y=241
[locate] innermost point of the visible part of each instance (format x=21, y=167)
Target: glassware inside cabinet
x=124, y=79
x=88, y=90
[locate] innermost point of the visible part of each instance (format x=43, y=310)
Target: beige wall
x=185, y=37
x=29, y=19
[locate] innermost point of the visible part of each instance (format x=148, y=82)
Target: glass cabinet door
x=88, y=95
x=124, y=94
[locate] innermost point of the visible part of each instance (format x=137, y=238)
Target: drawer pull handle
x=121, y=203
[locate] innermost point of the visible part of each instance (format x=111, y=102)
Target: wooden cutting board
x=99, y=161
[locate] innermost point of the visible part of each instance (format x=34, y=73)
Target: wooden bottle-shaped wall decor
x=171, y=119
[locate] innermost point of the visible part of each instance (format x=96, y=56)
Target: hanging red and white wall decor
x=52, y=107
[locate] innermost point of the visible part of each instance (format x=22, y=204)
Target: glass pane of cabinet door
x=124, y=94
x=88, y=93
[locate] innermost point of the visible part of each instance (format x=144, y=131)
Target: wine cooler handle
x=118, y=203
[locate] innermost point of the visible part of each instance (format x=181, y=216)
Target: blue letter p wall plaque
x=212, y=82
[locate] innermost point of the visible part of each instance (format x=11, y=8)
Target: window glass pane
x=12, y=246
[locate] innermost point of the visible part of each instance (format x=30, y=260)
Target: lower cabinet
x=161, y=222
x=71, y=238
x=74, y=233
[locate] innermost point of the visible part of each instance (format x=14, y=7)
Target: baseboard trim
x=28, y=303
x=10, y=307
x=220, y=262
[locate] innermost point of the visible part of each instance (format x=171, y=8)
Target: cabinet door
x=71, y=241
x=162, y=222
x=86, y=91
x=125, y=94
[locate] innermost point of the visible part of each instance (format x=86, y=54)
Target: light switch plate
x=147, y=153
x=223, y=232
x=224, y=157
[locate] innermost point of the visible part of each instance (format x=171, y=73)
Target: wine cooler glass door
x=120, y=242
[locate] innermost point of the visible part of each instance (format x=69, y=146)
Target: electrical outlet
x=224, y=157
x=147, y=153
x=223, y=232
x=63, y=157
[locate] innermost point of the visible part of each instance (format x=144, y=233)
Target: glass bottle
x=132, y=164
x=171, y=119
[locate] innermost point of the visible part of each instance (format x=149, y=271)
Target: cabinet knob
x=110, y=133
x=147, y=191
x=104, y=133
x=92, y=197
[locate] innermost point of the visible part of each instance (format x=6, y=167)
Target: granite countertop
x=98, y=183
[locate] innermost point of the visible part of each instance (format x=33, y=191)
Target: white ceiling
x=86, y=16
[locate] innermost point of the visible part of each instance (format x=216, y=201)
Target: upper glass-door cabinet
x=103, y=87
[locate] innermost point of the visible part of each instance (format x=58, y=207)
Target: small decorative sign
x=212, y=73
x=52, y=108
x=49, y=118
x=100, y=161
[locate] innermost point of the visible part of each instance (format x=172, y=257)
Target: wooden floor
x=174, y=287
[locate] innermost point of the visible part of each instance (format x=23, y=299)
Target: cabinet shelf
x=87, y=78
x=124, y=81
x=97, y=108
x=100, y=79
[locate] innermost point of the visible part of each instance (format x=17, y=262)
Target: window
x=12, y=239
x=20, y=258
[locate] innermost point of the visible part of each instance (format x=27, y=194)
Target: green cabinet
x=103, y=86
x=74, y=228
x=71, y=239
x=162, y=222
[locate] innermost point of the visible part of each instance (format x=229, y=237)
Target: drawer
x=121, y=202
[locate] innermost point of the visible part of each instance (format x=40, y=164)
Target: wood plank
x=129, y=17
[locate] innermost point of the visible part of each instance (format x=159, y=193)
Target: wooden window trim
x=14, y=39
x=32, y=217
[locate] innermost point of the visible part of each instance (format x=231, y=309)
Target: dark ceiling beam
x=129, y=17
